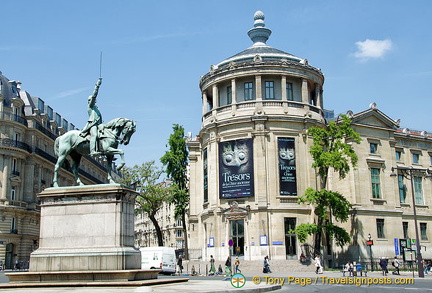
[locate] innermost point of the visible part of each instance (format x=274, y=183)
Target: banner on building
x=205, y=176
x=236, y=178
x=287, y=166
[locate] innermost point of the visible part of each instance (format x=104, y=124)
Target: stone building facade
x=251, y=161
x=28, y=129
x=172, y=228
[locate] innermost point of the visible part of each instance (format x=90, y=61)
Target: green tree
x=152, y=194
x=331, y=149
x=175, y=161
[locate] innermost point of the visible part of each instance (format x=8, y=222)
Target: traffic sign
x=230, y=242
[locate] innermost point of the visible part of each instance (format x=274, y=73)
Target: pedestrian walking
x=383, y=265
x=180, y=264
x=318, y=267
x=266, y=268
x=396, y=265
x=237, y=263
x=228, y=267
x=212, y=266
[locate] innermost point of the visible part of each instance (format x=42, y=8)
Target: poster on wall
x=287, y=166
x=205, y=179
x=236, y=177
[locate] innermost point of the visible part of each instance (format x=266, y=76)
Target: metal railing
x=13, y=117
x=7, y=142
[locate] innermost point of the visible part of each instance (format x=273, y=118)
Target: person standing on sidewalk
x=237, y=263
x=212, y=266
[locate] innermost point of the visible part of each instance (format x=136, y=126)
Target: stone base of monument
x=86, y=234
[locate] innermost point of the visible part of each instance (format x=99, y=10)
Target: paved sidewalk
x=208, y=284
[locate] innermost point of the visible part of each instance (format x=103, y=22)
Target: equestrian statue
x=94, y=139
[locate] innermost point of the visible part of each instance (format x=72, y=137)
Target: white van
x=158, y=258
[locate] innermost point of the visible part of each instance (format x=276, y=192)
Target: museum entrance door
x=290, y=239
x=237, y=235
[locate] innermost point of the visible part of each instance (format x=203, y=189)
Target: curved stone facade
x=251, y=160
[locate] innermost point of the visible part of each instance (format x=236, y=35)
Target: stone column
x=5, y=179
x=215, y=96
x=283, y=88
x=258, y=94
x=204, y=103
x=318, y=98
x=305, y=92
x=258, y=87
x=234, y=95
x=284, y=94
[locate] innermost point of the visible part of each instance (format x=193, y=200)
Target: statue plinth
x=86, y=228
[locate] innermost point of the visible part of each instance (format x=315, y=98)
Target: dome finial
x=259, y=34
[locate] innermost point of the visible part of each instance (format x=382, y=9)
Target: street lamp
x=408, y=173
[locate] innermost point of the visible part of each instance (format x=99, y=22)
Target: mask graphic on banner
x=236, y=168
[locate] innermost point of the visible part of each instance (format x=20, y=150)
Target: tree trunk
x=158, y=230
x=186, y=248
x=318, y=237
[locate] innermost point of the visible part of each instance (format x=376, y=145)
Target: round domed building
x=244, y=166
x=251, y=161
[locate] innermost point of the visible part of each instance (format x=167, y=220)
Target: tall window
x=418, y=190
x=269, y=90
x=375, y=179
x=65, y=125
x=289, y=91
x=248, y=91
x=373, y=148
x=405, y=230
x=423, y=231
x=41, y=106
x=416, y=158
x=13, y=226
x=402, y=189
x=229, y=95
x=13, y=193
x=398, y=155
x=380, y=228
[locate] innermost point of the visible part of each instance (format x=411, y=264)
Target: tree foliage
x=331, y=149
x=175, y=161
x=152, y=194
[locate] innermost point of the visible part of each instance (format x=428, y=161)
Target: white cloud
x=372, y=49
x=71, y=92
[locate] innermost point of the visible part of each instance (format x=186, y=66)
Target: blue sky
x=154, y=53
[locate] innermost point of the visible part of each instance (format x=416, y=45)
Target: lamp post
x=370, y=243
x=408, y=173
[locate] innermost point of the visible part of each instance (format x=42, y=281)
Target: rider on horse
x=95, y=119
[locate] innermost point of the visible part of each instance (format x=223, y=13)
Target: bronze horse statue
x=117, y=131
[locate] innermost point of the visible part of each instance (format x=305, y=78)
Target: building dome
x=259, y=35
x=262, y=80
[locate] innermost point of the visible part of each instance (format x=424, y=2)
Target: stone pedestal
x=86, y=228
